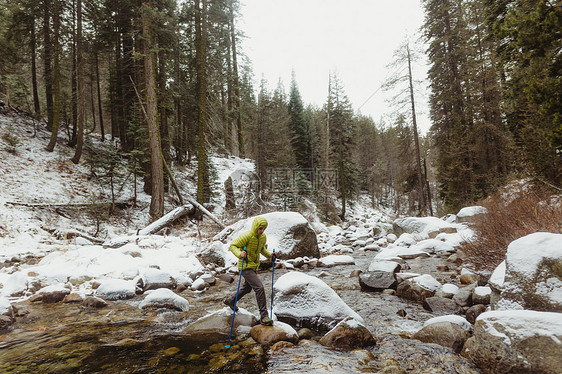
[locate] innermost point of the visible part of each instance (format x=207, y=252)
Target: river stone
x=226, y=278
x=213, y=254
x=521, y=341
x=447, y=334
x=268, y=335
x=441, y=306
x=116, y=289
x=53, y=294
x=471, y=214
x=474, y=311
x=418, y=288
x=219, y=321
x=305, y=333
x=481, y=295
x=73, y=297
x=164, y=298
x=281, y=345
x=533, y=275
x=348, y=334
x=378, y=280
x=469, y=278
x=156, y=278
x=94, y=302
x=464, y=296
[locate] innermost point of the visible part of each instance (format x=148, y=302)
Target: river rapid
x=121, y=338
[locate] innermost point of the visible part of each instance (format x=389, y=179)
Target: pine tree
x=299, y=127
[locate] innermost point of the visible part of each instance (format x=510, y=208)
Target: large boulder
x=116, y=289
x=471, y=214
x=533, y=275
x=268, y=335
x=289, y=233
x=155, y=278
x=423, y=227
x=447, y=334
x=521, y=341
x=348, y=334
x=305, y=301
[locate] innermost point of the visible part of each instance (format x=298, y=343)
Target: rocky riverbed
x=121, y=337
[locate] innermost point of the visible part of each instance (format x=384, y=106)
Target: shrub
x=512, y=215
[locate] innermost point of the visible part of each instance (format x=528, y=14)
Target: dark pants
x=252, y=282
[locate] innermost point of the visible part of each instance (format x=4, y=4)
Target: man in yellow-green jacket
x=249, y=246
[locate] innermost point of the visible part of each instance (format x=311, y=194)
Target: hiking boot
x=230, y=304
x=266, y=321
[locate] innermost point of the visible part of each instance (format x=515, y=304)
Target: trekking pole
x=272, y=276
x=235, y=301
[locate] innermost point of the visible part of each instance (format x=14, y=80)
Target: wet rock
x=6, y=314
x=464, y=296
x=198, y=284
x=401, y=312
x=474, y=311
x=73, y=298
x=348, y=334
x=448, y=290
x=268, y=335
x=391, y=369
x=164, y=298
x=116, y=289
x=418, y=288
x=441, y=306
x=5, y=322
x=378, y=280
x=54, y=293
x=468, y=277
x=281, y=345
x=156, y=278
x=307, y=343
x=94, y=302
x=363, y=355
x=209, y=279
x=219, y=323
x=481, y=295
x=226, y=278
x=305, y=333
x=355, y=273
x=522, y=341
x=447, y=334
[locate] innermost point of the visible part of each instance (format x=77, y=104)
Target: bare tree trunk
x=80, y=102
x=203, y=188
x=416, y=140
x=237, y=101
x=57, y=91
x=72, y=140
x=157, y=173
x=47, y=61
x=33, y=45
x=102, y=130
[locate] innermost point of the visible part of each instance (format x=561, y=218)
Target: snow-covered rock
x=453, y=318
x=218, y=323
x=405, y=240
x=164, y=298
x=306, y=301
x=418, y=288
x=533, y=278
x=348, y=334
x=423, y=227
x=383, y=265
x=268, y=335
x=470, y=214
x=512, y=341
x=333, y=260
x=156, y=278
x=289, y=233
x=116, y=289
x=53, y=293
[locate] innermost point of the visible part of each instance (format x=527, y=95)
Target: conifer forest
x=170, y=84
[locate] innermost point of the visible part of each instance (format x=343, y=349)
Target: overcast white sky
x=354, y=38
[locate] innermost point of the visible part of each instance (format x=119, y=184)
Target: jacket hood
x=258, y=222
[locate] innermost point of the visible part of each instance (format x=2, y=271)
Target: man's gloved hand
x=273, y=257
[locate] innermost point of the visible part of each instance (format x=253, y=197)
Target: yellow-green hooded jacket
x=254, y=245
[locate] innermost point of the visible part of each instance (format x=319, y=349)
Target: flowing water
x=66, y=338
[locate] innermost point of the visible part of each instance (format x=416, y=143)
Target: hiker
x=254, y=243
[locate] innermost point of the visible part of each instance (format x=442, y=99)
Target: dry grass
x=512, y=214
